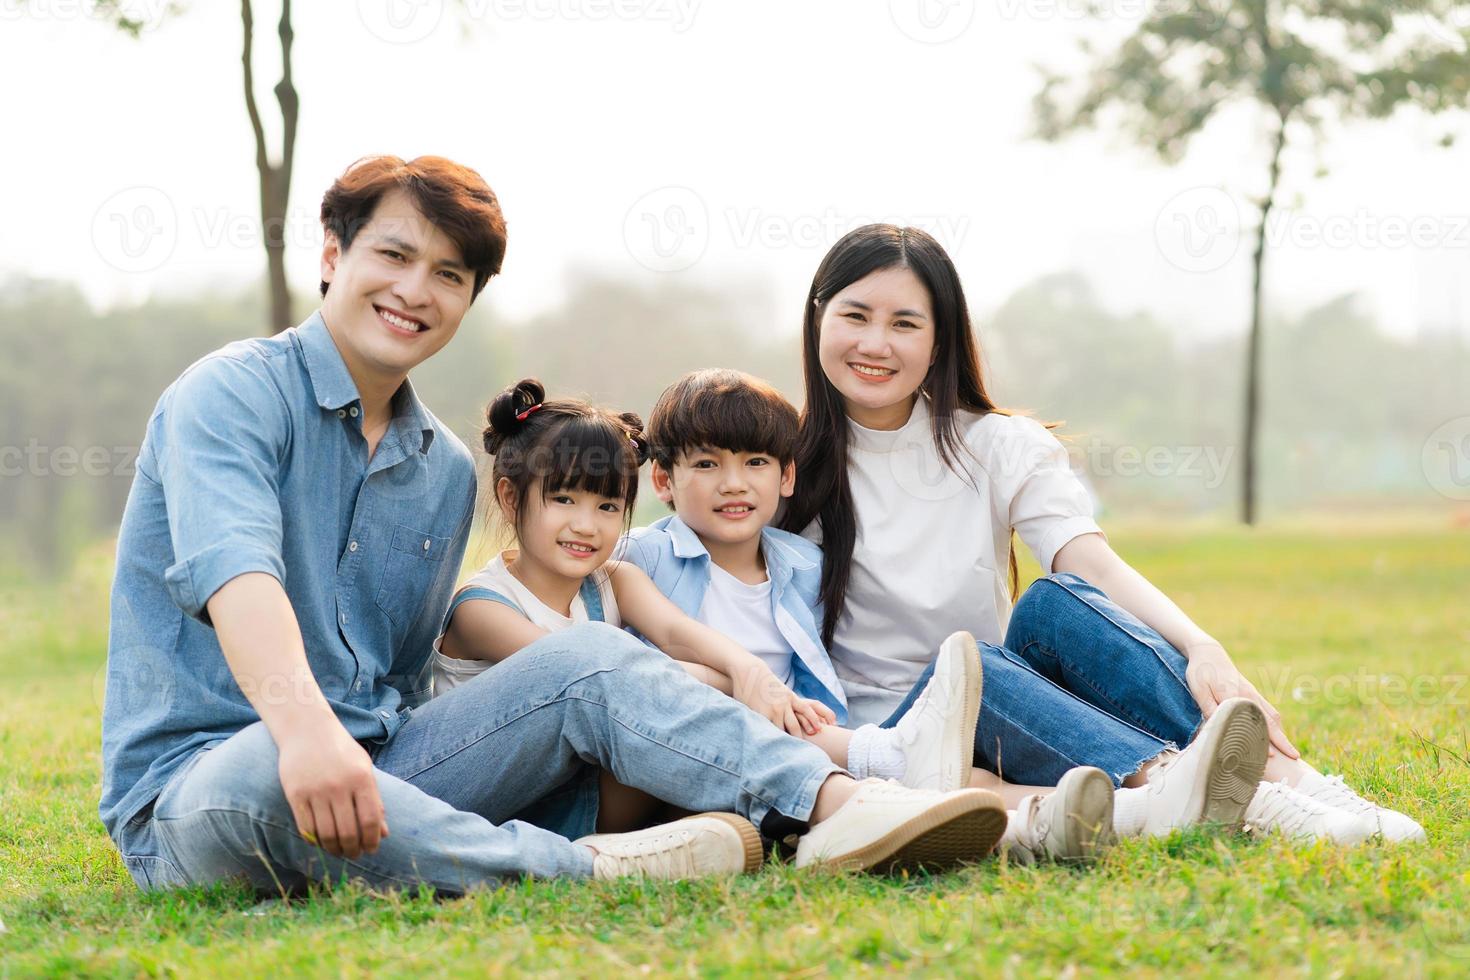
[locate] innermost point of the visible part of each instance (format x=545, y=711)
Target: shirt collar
x=884, y=440
x=335, y=389
x=686, y=542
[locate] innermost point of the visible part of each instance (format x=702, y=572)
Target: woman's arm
x=1212, y=676
x=483, y=629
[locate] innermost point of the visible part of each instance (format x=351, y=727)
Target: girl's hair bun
x=635, y=435
x=507, y=413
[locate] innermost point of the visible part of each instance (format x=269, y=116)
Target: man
x=286, y=556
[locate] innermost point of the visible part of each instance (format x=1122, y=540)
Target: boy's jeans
x=1079, y=682
x=472, y=778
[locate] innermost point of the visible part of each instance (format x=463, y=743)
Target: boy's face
x=725, y=496
x=398, y=294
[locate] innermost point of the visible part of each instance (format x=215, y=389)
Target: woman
x=915, y=483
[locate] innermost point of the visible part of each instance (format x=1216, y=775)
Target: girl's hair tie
x=527, y=413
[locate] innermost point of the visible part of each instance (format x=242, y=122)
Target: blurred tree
x=1303, y=62
x=275, y=177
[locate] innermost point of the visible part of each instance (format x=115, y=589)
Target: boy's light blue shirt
x=676, y=560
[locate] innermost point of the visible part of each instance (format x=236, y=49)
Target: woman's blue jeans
x=1080, y=682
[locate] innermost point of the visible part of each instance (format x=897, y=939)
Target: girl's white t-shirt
x=743, y=613
x=932, y=544
x=450, y=672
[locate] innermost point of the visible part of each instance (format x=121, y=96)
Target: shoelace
x=1282, y=806
x=667, y=855
x=1337, y=793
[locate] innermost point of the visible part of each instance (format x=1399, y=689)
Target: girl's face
x=571, y=533
x=876, y=344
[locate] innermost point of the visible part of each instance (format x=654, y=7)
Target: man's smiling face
x=397, y=294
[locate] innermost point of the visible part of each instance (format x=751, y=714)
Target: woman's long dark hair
x=954, y=382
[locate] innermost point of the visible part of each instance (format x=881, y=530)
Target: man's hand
x=328, y=780
x=1213, y=677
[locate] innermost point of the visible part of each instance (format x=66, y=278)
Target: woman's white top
x=743, y=613
x=496, y=579
x=932, y=544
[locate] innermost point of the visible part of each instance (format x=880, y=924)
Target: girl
x=566, y=480
x=915, y=484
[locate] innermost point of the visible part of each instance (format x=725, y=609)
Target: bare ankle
x=835, y=791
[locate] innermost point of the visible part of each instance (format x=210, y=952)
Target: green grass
x=1360, y=634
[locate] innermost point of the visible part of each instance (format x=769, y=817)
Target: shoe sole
x=750, y=838
x=1237, y=749
x=1087, y=827
x=974, y=680
x=962, y=828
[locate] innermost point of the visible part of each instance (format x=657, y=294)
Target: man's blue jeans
x=493, y=779
x=1080, y=682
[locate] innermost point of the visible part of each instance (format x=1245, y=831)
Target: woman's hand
x=1213, y=677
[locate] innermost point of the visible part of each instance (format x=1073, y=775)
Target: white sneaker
x=1393, y=825
x=1072, y=823
x=889, y=827
x=1215, y=778
x=705, y=844
x=937, y=734
x=1279, y=808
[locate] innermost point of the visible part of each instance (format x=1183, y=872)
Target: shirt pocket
x=414, y=558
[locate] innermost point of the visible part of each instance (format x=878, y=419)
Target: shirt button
x=352, y=546
x=341, y=414
x=343, y=618
x=352, y=411
x=426, y=545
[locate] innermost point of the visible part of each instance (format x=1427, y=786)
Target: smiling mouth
x=397, y=321
x=869, y=371
x=577, y=549
x=735, y=510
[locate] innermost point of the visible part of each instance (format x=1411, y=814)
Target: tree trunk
x=1253, y=350
x=275, y=179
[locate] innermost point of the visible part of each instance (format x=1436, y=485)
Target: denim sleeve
x=217, y=448
x=635, y=551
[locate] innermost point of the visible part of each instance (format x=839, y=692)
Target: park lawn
x=1360, y=634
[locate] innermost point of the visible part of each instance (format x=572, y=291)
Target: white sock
x=873, y=751
x=1130, y=811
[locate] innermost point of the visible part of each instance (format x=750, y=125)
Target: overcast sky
x=710, y=139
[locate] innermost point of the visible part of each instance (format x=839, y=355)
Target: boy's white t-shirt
x=743, y=613
x=932, y=544
x=450, y=672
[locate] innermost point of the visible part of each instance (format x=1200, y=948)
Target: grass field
x=1360, y=635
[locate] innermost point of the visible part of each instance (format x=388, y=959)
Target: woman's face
x=876, y=344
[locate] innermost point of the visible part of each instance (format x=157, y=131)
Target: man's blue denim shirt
x=678, y=563
x=254, y=461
